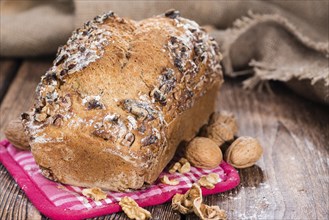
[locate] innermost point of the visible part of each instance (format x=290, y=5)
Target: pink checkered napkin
x=58, y=201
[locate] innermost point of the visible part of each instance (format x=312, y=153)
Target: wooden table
x=291, y=181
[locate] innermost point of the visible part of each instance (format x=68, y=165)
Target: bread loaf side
x=119, y=98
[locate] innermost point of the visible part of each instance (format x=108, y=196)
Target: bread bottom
x=82, y=161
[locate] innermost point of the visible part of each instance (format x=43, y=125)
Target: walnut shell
x=244, y=152
x=205, y=212
x=203, y=153
x=184, y=203
x=16, y=135
x=222, y=128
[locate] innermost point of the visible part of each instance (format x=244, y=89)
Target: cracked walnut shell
x=203, y=153
x=176, y=204
x=206, y=212
x=16, y=135
x=184, y=203
x=244, y=152
x=132, y=210
x=222, y=127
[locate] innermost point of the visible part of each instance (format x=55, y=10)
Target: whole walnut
x=243, y=152
x=222, y=128
x=16, y=135
x=203, y=153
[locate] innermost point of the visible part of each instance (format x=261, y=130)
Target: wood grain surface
x=8, y=70
x=291, y=181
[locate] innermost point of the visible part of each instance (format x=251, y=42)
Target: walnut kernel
x=186, y=167
x=183, y=160
x=40, y=117
x=182, y=166
x=213, y=178
x=94, y=193
x=209, y=181
x=222, y=127
x=132, y=210
x=175, y=167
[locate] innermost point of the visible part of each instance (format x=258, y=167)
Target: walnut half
x=222, y=127
x=167, y=181
x=94, y=193
x=182, y=166
x=132, y=210
x=191, y=202
x=209, y=181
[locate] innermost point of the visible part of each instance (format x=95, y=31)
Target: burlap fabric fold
x=275, y=50
x=267, y=40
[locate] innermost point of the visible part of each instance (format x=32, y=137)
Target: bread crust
x=119, y=98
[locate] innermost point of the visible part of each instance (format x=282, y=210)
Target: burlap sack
x=34, y=28
x=276, y=50
x=282, y=40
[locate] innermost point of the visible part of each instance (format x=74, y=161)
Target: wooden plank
x=289, y=182
x=20, y=95
x=291, y=179
x=163, y=211
x=8, y=69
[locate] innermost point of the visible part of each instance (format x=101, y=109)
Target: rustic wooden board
x=291, y=181
x=8, y=70
x=20, y=95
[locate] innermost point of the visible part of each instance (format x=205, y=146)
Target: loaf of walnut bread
x=120, y=97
